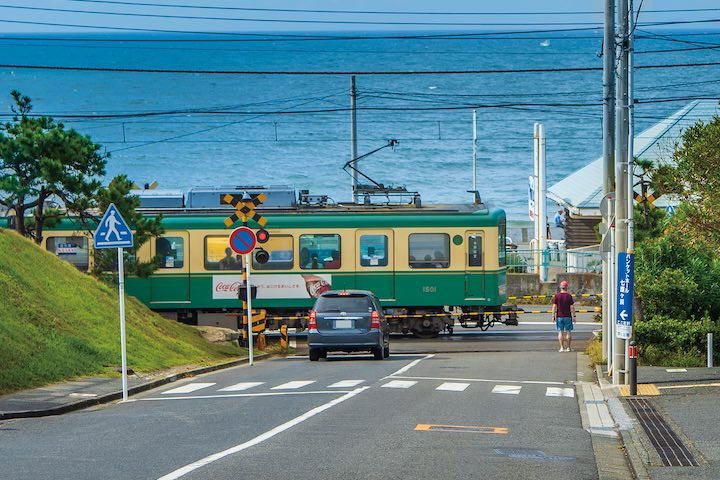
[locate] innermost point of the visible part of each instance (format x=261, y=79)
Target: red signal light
x=262, y=236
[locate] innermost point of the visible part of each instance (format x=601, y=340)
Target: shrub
x=668, y=341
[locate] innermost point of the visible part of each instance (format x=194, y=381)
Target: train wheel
x=425, y=334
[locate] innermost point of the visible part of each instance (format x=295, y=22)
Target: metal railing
x=571, y=261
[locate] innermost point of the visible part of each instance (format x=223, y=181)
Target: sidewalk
x=73, y=395
x=673, y=431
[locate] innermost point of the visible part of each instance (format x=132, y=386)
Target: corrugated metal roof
x=581, y=191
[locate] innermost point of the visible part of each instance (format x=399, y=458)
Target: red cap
x=563, y=284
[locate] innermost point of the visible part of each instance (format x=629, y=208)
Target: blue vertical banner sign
x=625, y=287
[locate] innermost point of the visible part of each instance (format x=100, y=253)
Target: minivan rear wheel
x=314, y=354
x=386, y=351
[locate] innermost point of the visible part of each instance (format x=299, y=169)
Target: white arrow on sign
x=623, y=315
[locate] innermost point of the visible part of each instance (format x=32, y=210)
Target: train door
x=374, y=264
x=170, y=283
x=474, y=266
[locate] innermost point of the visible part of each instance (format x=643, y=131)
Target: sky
x=33, y=18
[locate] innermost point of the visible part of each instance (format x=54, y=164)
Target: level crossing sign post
x=243, y=242
x=114, y=232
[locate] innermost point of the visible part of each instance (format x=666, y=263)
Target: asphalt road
x=412, y=416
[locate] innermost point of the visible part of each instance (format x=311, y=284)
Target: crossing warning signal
x=262, y=236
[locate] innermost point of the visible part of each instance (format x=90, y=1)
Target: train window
x=501, y=244
x=429, y=250
x=71, y=249
x=320, y=251
x=170, y=252
x=218, y=256
x=475, y=250
x=280, y=248
x=373, y=250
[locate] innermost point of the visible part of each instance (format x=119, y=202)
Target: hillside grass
x=57, y=323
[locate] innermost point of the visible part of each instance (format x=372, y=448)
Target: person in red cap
x=563, y=313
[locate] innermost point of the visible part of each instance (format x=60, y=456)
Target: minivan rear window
x=344, y=303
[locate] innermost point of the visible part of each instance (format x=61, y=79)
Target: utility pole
x=621, y=166
x=631, y=159
x=474, y=157
x=608, y=149
x=541, y=205
x=353, y=135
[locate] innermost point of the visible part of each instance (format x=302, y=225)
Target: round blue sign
x=242, y=240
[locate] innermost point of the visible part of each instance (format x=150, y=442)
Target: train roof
x=328, y=217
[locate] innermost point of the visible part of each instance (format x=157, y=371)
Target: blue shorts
x=564, y=324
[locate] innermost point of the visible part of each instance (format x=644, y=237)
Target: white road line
x=190, y=387
x=240, y=395
x=486, y=380
x=261, y=438
x=239, y=387
x=560, y=392
x=293, y=385
x=346, y=384
x=453, y=387
x=399, y=384
x=410, y=365
x=507, y=389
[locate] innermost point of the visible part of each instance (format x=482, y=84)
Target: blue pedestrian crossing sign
x=113, y=231
x=625, y=287
x=669, y=211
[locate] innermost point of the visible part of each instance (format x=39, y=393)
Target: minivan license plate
x=343, y=324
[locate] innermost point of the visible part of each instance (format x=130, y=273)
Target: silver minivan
x=348, y=321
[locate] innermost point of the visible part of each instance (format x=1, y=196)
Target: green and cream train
x=432, y=266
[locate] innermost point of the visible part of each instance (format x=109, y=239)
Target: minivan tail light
x=312, y=320
x=375, y=319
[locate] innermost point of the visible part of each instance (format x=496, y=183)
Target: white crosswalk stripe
x=560, y=392
x=453, y=387
x=239, y=387
x=346, y=384
x=400, y=384
x=293, y=385
x=190, y=387
x=507, y=389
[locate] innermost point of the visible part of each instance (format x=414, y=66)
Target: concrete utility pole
x=353, y=134
x=608, y=144
x=541, y=204
x=621, y=166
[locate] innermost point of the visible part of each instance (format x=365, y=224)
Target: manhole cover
x=673, y=452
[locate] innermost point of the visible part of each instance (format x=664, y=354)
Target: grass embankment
x=57, y=323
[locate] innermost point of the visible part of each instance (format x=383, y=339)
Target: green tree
x=40, y=162
x=694, y=176
x=144, y=227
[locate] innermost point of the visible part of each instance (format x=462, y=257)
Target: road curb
x=628, y=436
x=89, y=402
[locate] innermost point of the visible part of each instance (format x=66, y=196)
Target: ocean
x=238, y=129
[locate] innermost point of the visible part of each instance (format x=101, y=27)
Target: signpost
x=243, y=241
x=114, y=232
x=624, y=319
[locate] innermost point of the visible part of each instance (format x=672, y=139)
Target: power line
x=342, y=72
x=294, y=20
x=373, y=12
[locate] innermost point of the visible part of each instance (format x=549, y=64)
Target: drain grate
x=672, y=450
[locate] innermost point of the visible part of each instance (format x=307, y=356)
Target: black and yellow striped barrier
x=467, y=314
x=284, y=338
x=527, y=297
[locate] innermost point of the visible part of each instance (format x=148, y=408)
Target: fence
x=571, y=261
